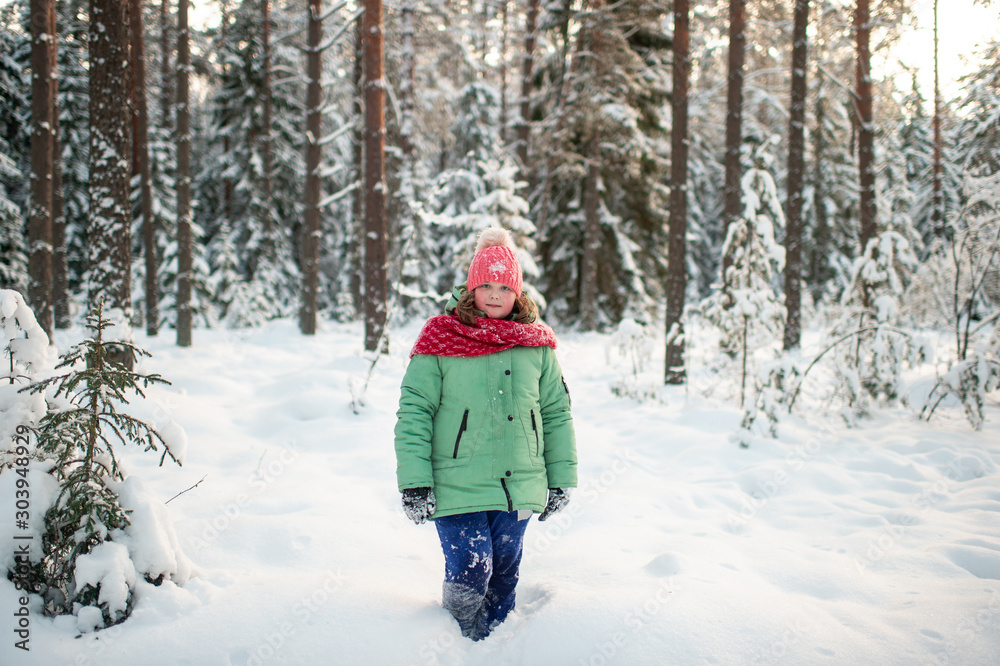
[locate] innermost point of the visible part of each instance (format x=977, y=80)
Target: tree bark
x=676, y=246
x=314, y=131
x=166, y=74
x=937, y=214
x=524, y=122
x=503, y=70
x=109, y=231
x=60, y=269
x=184, y=249
x=43, y=97
x=866, y=137
x=140, y=166
x=374, y=185
x=60, y=272
x=267, y=139
x=355, y=248
x=796, y=177
x=732, y=198
x=591, y=235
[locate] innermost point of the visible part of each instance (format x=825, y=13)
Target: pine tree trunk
x=821, y=226
x=184, y=241
x=732, y=208
x=796, y=177
x=937, y=214
x=267, y=139
x=524, y=122
x=374, y=183
x=866, y=129
x=591, y=235
x=109, y=231
x=140, y=166
x=314, y=132
x=60, y=272
x=166, y=74
x=676, y=246
x=503, y=71
x=43, y=97
x=227, y=182
x=60, y=269
x=355, y=253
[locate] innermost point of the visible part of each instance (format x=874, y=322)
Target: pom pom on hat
x=495, y=261
x=494, y=237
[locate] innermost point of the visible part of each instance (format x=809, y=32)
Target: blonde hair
x=525, y=311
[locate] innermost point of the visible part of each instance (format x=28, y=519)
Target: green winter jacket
x=490, y=432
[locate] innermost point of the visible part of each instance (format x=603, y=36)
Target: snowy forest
x=761, y=196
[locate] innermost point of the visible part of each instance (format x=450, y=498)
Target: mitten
x=557, y=500
x=419, y=503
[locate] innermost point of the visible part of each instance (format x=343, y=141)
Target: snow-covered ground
x=873, y=545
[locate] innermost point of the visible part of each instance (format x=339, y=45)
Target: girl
x=484, y=435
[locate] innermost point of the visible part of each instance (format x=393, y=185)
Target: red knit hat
x=495, y=261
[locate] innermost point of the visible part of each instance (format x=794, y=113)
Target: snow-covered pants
x=482, y=554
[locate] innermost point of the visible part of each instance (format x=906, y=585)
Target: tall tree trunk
x=140, y=165
x=503, y=70
x=167, y=75
x=374, y=184
x=109, y=231
x=314, y=134
x=796, y=177
x=866, y=129
x=591, y=234
x=267, y=139
x=355, y=248
x=227, y=182
x=528, y=64
x=43, y=98
x=732, y=208
x=937, y=214
x=184, y=241
x=821, y=227
x=60, y=269
x=676, y=246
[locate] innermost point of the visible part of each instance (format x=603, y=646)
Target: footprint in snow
x=533, y=598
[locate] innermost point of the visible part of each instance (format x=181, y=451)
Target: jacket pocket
x=461, y=429
x=534, y=428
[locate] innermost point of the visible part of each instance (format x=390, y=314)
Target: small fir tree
x=870, y=347
x=80, y=437
x=748, y=310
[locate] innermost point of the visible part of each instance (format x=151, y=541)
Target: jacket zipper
x=535, y=428
x=461, y=429
x=510, y=504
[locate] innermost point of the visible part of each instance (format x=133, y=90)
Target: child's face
x=495, y=299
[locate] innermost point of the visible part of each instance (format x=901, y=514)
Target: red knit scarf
x=445, y=335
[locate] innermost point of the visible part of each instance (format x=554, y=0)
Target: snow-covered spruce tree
x=27, y=357
x=85, y=567
x=14, y=269
x=74, y=133
x=15, y=110
x=829, y=235
x=602, y=144
x=869, y=346
x=237, y=155
x=749, y=312
x=957, y=287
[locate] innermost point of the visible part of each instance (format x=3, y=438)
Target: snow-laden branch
x=337, y=196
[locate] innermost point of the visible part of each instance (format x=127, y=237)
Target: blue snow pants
x=482, y=554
